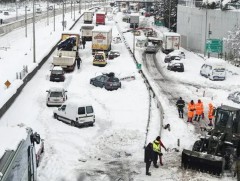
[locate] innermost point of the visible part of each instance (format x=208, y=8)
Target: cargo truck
x=88, y=17
x=86, y=32
x=100, y=18
x=67, y=51
x=171, y=41
x=101, y=39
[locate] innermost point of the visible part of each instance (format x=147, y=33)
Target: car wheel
x=91, y=82
x=47, y=105
x=55, y=116
x=91, y=124
x=72, y=123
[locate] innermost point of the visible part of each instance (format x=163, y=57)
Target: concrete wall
x=193, y=24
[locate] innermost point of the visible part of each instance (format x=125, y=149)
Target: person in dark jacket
x=83, y=43
x=78, y=59
x=148, y=157
x=180, y=105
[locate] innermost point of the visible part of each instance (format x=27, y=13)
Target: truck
x=217, y=150
x=88, y=17
x=67, y=51
x=171, y=41
x=19, y=153
x=101, y=39
x=134, y=20
x=100, y=18
x=86, y=31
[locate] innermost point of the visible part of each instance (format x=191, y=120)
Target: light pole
x=74, y=10
x=47, y=12
x=205, y=50
x=26, y=21
x=34, y=45
x=71, y=9
x=79, y=7
x=63, y=17
x=16, y=10
x=54, y=17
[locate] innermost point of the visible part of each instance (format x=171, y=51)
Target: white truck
x=101, y=39
x=65, y=59
x=88, y=17
x=86, y=31
x=171, y=41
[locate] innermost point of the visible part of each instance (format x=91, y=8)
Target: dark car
x=170, y=58
x=108, y=81
x=113, y=54
x=176, y=66
x=151, y=49
x=235, y=97
x=57, y=74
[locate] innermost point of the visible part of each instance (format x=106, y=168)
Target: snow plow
x=216, y=151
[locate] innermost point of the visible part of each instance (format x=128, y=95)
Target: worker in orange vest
x=199, y=110
x=191, y=109
x=210, y=114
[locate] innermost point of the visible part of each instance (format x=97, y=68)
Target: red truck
x=100, y=18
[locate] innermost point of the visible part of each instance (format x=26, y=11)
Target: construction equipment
x=216, y=151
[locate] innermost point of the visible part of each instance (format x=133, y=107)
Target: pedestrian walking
x=210, y=114
x=157, y=144
x=78, y=59
x=199, y=110
x=180, y=105
x=83, y=42
x=148, y=157
x=191, y=109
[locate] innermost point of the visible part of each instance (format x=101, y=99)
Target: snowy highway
x=112, y=149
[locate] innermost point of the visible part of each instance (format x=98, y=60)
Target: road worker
x=180, y=105
x=210, y=114
x=199, y=110
x=157, y=144
x=191, y=109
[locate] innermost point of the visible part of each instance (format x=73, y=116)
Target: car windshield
x=56, y=94
x=222, y=118
x=57, y=71
x=113, y=79
x=219, y=69
x=99, y=57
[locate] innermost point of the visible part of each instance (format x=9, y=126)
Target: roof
x=171, y=34
x=141, y=38
x=10, y=137
x=57, y=68
x=102, y=28
x=134, y=14
x=56, y=89
x=86, y=25
x=215, y=61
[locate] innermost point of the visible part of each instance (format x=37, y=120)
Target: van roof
x=76, y=103
x=215, y=61
x=102, y=28
x=10, y=138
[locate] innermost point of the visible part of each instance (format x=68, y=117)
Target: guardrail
x=152, y=94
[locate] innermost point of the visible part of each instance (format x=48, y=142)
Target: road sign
x=139, y=66
x=214, y=45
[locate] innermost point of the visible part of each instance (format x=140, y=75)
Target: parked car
x=170, y=58
x=108, y=81
x=100, y=59
x=214, y=69
x=147, y=14
x=56, y=96
x=113, y=54
x=175, y=66
x=235, y=97
x=179, y=53
x=57, y=74
x=39, y=10
x=75, y=114
x=151, y=49
x=6, y=13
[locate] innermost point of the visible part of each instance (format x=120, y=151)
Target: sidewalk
x=16, y=51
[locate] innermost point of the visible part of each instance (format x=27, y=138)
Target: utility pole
x=63, y=16
x=205, y=49
x=34, y=45
x=16, y=10
x=79, y=7
x=26, y=21
x=169, y=16
x=54, y=17
x=47, y=12
x=71, y=9
x=74, y=10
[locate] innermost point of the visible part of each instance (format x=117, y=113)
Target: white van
x=214, y=69
x=75, y=114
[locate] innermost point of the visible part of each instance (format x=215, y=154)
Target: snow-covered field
x=113, y=148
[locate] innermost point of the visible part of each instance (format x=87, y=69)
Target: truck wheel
x=55, y=116
x=229, y=157
x=72, y=123
x=197, y=146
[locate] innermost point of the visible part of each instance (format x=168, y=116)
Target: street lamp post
x=63, y=16
x=74, y=10
x=71, y=9
x=79, y=7
x=34, y=45
x=26, y=21
x=47, y=13
x=54, y=17
x=16, y=10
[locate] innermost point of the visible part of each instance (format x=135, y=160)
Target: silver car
x=235, y=97
x=151, y=49
x=56, y=96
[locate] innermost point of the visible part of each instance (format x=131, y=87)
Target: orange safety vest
x=210, y=112
x=199, y=108
x=191, y=109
